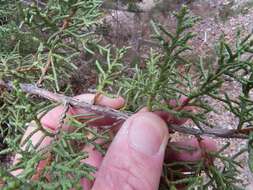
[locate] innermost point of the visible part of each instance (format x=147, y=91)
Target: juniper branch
x=116, y=114
x=100, y=110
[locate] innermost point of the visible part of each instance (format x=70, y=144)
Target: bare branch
x=100, y=110
x=119, y=115
x=222, y=133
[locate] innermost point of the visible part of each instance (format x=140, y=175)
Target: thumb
x=135, y=158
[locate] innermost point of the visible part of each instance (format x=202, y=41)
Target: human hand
x=135, y=157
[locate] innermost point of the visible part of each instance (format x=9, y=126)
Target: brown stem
x=45, y=69
x=64, y=26
x=66, y=21
x=118, y=115
x=28, y=69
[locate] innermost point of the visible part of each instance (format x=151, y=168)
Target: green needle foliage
x=42, y=43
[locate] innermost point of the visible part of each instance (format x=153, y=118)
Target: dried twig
x=222, y=133
x=66, y=21
x=65, y=25
x=118, y=115
x=45, y=69
x=27, y=69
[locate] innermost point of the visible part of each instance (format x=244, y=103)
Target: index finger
x=52, y=118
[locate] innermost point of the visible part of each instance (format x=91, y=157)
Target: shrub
x=42, y=43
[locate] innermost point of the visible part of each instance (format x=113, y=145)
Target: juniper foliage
x=40, y=43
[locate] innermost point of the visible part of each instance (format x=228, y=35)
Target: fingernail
x=148, y=134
